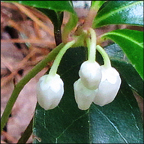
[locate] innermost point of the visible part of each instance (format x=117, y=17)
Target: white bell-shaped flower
x=108, y=87
x=50, y=90
x=83, y=96
x=90, y=74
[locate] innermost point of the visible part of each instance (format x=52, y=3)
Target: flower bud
x=50, y=90
x=108, y=87
x=90, y=74
x=83, y=96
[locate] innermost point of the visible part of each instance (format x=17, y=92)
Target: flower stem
x=68, y=28
x=92, y=46
x=105, y=56
x=19, y=86
x=88, y=42
x=58, y=58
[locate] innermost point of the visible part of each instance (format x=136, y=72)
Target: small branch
x=34, y=40
x=89, y=19
x=9, y=137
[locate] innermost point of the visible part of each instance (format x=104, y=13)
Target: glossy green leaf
x=118, y=122
x=120, y=12
x=97, y=4
x=52, y=5
x=131, y=42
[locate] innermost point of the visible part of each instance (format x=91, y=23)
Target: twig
x=37, y=31
x=7, y=64
x=18, y=67
x=34, y=18
x=28, y=41
x=16, y=26
x=9, y=137
x=39, y=14
x=24, y=63
x=9, y=5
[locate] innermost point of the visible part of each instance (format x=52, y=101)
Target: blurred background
x=23, y=44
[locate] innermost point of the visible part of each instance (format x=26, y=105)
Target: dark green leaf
x=56, y=18
x=118, y=122
x=120, y=12
x=131, y=42
x=53, y=5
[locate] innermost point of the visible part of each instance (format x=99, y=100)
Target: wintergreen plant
x=96, y=104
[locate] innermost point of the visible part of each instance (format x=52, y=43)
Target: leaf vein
x=113, y=126
x=130, y=39
x=131, y=111
x=117, y=10
x=70, y=126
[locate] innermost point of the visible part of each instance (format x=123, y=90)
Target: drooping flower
x=50, y=90
x=83, y=96
x=90, y=74
x=108, y=87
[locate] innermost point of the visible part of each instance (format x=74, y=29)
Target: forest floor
x=23, y=44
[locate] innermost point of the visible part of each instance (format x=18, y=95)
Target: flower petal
x=49, y=91
x=108, y=87
x=90, y=74
x=83, y=96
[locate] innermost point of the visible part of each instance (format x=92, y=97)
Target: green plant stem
x=19, y=86
x=92, y=46
x=80, y=40
x=58, y=58
x=88, y=41
x=68, y=28
x=105, y=56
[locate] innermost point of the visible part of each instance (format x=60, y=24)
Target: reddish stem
x=89, y=20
